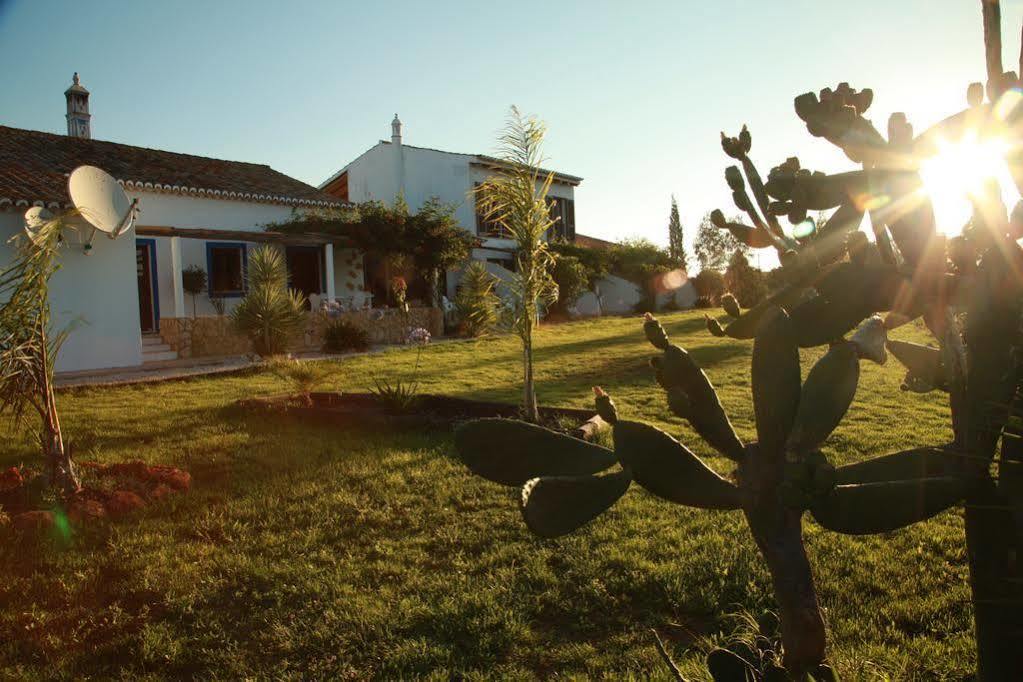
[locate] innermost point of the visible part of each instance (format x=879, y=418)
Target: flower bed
x=109, y=491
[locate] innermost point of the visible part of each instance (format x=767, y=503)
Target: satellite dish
x=35, y=218
x=101, y=201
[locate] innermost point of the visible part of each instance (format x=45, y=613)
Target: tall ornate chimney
x=78, y=110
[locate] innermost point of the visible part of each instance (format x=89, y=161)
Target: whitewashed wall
x=385, y=169
x=96, y=294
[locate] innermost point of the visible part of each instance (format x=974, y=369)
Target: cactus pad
x=669, y=469
x=881, y=507
x=557, y=505
x=776, y=380
x=825, y=398
x=511, y=452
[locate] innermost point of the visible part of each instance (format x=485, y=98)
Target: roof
x=34, y=167
x=592, y=242
x=479, y=159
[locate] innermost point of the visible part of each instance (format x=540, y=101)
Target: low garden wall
x=205, y=336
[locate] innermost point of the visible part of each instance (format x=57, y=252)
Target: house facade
x=392, y=168
x=194, y=212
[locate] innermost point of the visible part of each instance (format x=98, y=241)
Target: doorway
x=304, y=271
x=145, y=270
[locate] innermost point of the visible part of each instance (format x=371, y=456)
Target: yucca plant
x=305, y=377
x=476, y=302
x=29, y=346
x=515, y=198
x=270, y=312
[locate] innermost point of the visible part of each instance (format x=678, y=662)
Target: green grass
x=313, y=552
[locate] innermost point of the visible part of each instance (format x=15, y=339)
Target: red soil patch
x=108, y=491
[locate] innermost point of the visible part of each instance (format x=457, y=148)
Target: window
x=563, y=215
x=485, y=227
x=225, y=264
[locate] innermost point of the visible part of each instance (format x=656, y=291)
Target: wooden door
x=144, y=266
x=304, y=272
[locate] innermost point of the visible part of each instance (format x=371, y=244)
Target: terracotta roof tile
x=34, y=167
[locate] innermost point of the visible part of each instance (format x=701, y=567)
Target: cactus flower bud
x=655, y=333
x=806, y=106
x=745, y=140
x=870, y=340
x=605, y=406
x=975, y=94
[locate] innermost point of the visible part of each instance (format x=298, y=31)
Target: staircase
x=155, y=350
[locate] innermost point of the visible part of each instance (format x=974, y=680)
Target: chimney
x=396, y=131
x=78, y=115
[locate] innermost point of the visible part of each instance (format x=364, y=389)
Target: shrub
x=746, y=283
x=703, y=302
x=305, y=377
x=476, y=302
x=709, y=284
x=270, y=312
x=193, y=281
x=341, y=335
x=572, y=279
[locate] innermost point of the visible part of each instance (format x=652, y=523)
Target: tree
x=476, y=302
x=746, y=283
x=714, y=246
x=709, y=284
x=193, y=281
x=29, y=347
x=270, y=312
x=642, y=262
x=516, y=199
x=676, y=238
x=572, y=278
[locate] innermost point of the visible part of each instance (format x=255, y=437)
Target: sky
x=634, y=94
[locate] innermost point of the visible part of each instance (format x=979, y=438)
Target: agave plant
x=270, y=312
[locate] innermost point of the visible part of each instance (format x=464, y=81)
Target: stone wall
x=207, y=336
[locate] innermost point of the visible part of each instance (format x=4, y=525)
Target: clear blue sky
x=634, y=93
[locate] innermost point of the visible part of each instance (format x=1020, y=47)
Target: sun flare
x=959, y=170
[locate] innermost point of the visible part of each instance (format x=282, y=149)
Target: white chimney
x=396, y=130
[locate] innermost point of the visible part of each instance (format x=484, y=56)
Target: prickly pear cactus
x=968, y=291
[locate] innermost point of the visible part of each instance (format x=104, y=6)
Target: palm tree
x=516, y=199
x=29, y=347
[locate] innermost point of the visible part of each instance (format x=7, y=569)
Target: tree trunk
x=778, y=533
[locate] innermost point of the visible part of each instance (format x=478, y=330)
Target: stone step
x=159, y=355
x=152, y=340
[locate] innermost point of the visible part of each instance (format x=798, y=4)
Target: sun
x=960, y=169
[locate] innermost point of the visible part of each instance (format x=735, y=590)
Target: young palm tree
x=476, y=301
x=516, y=200
x=270, y=312
x=29, y=347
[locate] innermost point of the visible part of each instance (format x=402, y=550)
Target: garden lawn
x=310, y=551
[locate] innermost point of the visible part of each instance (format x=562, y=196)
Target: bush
x=572, y=279
x=341, y=335
x=270, y=312
x=476, y=302
x=703, y=302
x=746, y=283
x=709, y=284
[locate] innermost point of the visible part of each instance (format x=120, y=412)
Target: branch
x=675, y=672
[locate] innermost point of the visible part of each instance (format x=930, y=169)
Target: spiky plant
x=969, y=293
x=304, y=377
x=29, y=346
x=515, y=198
x=270, y=312
x=476, y=302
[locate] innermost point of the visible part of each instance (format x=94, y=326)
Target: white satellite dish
x=35, y=218
x=101, y=201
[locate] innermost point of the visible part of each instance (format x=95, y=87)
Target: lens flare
x=960, y=170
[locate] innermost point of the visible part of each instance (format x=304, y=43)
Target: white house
x=195, y=211
x=388, y=169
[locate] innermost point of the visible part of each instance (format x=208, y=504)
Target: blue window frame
x=226, y=267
